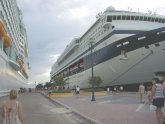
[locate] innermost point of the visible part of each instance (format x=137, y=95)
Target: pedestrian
x=141, y=92
x=157, y=95
x=77, y=90
x=164, y=81
x=121, y=88
x=115, y=89
x=49, y=91
x=108, y=90
x=12, y=110
x=149, y=88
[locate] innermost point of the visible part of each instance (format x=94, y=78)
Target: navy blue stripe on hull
x=111, y=51
x=102, y=40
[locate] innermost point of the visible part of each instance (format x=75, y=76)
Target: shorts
x=149, y=92
x=77, y=92
x=158, y=102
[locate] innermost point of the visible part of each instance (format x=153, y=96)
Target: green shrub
x=96, y=90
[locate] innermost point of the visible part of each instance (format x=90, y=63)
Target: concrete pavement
x=39, y=110
x=112, y=109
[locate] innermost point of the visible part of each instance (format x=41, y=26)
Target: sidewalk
x=107, y=113
x=39, y=110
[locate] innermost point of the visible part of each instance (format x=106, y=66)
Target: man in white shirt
x=121, y=88
x=77, y=90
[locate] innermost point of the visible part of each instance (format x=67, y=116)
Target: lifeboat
x=21, y=62
x=2, y=29
x=4, y=35
x=7, y=41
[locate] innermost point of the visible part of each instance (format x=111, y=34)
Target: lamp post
x=93, y=85
x=35, y=86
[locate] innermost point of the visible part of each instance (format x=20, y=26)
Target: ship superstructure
x=128, y=48
x=13, y=47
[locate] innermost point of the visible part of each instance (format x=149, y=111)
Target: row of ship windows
x=2, y=17
x=88, y=59
x=65, y=74
x=21, y=46
x=14, y=25
x=22, y=51
x=10, y=51
x=21, y=42
x=11, y=14
x=97, y=35
x=124, y=17
x=6, y=25
x=140, y=18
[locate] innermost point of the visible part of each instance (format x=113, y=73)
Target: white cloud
x=75, y=13
x=44, y=76
x=53, y=58
x=41, y=77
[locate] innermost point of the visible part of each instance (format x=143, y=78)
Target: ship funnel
x=110, y=9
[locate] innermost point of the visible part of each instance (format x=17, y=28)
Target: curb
x=61, y=94
x=92, y=121
x=102, y=93
x=129, y=94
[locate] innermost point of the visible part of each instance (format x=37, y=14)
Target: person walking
x=77, y=90
x=157, y=95
x=121, y=88
x=12, y=110
x=108, y=91
x=141, y=91
x=163, y=81
x=115, y=89
x=149, y=87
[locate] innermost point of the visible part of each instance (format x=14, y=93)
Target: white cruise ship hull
x=129, y=48
x=10, y=78
x=13, y=48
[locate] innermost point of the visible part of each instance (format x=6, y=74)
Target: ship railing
x=107, y=25
x=68, y=52
x=82, y=65
x=4, y=93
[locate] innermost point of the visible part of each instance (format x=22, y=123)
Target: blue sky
x=52, y=24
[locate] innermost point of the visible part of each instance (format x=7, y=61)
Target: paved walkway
x=118, y=109
x=38, y=110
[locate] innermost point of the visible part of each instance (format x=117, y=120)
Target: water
x=4, y=93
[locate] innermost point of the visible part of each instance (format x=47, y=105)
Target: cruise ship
x=128, y=48
x=13, y=47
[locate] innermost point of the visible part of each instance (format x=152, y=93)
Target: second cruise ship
x=128, y=48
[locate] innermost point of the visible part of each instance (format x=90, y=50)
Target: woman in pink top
x=12, y=110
